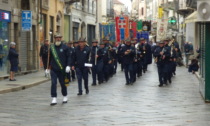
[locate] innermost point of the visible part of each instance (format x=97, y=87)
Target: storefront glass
x=4, y=42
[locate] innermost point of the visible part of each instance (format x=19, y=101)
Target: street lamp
x=50, y=33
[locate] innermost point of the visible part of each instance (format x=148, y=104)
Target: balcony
x=184, y=10
x=71, y=1
x=110, y=13
x=170, y=5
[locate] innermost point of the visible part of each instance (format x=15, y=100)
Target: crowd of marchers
x=67, y=62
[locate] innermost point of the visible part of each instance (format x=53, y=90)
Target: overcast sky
x=127, y=3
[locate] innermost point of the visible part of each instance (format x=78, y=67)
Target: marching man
x=59, y=65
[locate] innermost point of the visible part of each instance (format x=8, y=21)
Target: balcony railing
x=171, y=5
x=71, y=1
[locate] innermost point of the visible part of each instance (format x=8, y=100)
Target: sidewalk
x=23, y=82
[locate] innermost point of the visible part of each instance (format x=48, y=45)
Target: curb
x=23, y=87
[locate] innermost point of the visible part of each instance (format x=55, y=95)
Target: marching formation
x=68, y=61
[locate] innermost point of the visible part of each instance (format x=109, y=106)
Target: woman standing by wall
x=13, y=58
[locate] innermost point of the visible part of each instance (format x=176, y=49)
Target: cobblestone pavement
x=111, y=104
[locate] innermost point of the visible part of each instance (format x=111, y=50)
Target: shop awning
x=191, y=18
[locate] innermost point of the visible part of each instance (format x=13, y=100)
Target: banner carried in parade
x=107, y=30
x=133, y=29
x=122, y=28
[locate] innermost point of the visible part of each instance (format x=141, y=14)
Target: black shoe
x=170, y=81
x=94, y=84
x=144, y=71
x=64, y=102
x=160, y=85
x=127, y=83
x=87, y=91
x=52, y=104
x=79, y=94
x=12, y=80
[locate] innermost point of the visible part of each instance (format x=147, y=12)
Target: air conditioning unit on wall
x=203, y=9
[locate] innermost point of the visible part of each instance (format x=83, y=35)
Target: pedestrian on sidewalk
x=60, y=66
x=188, y=49
x=44, y=54
x=193, y=67
x=13, y=58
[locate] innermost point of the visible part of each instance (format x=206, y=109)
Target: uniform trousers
x=128, y=69
x=82, y=73
x=54, y=76
x=160, y=67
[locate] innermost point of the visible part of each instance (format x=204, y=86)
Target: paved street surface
x=111, y=104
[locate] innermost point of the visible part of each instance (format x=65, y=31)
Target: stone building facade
x=10, y=28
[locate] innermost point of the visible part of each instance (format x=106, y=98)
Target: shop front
x=5, y=19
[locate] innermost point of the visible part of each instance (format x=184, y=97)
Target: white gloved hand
x=68, y=69
x=47, y=71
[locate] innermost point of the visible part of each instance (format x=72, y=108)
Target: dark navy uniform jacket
x=114, y=53
x=105, y=55
x=13, y=57
x=128, y=59
x=80, y=57
x=93, y=54
x=44, y=51
x=64, y=56
x=167, y=54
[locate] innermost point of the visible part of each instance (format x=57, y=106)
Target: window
x=88, y=4
x=93, y=7
x=83, y=5
x=25, y=5
x=142, y=11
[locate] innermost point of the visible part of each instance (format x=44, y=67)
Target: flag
x=139, y=25
x=122, y=27
x=133, y=28
x=107, y=29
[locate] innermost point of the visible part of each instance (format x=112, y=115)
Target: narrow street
x=112, y=103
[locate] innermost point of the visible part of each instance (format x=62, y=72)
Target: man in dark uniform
x=115, y=58
x=107, y=59
x=167, y=70
x=119, y=55
x=143, y=56
x=128, y=55
x=79, y=63
x=71, y=53
x=60, y=65
x=158, y=53
x=100, y=62
x=73, y=74
x=135, y=61
x=44, y=54
x=93, y=60
x=162, y=54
